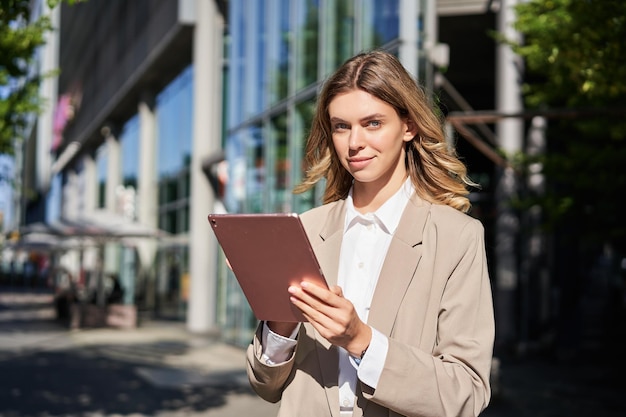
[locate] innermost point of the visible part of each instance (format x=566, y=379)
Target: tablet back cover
x=267, y=253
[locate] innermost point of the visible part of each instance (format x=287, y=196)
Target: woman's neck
x=368, y=197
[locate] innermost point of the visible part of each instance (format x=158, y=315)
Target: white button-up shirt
x=363, y=250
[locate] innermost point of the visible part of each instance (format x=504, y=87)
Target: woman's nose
x=356, y=138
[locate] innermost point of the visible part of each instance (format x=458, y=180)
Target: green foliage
x=20, y=36
x=574, y=55
x=19, y=39
x=577, y=46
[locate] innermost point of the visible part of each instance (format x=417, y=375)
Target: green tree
x=574, y=53
x=20, y=36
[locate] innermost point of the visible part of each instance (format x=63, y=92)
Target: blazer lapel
x=327, y=249
x=396, y=274
x=328, y=246
x=403, y=256
x=398, y=270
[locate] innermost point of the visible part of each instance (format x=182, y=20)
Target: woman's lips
x=359, y=163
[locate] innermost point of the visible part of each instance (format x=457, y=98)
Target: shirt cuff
x=373, y=362
x=277, y=348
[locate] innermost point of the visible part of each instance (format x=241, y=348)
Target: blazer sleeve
x=267, y=381
x=452, y=379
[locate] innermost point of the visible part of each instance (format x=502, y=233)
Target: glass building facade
x=174, y=125
x=279, y=52
x=133, y=139
x=164, y=290
x=174, y=137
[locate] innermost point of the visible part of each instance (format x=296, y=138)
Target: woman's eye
x=374, y=123
x=340, y=126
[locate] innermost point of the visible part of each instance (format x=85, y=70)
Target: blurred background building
x=164, y=111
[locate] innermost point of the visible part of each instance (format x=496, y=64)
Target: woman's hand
x=332, y=315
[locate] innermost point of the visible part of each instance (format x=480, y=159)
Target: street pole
x=509, y=133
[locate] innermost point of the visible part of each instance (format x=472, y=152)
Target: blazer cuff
x=277, y=348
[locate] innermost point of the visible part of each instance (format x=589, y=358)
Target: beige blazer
x=433, y=301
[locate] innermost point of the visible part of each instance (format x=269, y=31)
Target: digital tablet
x=268, y=253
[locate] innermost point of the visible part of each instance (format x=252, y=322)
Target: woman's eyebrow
x=362, y=119
x=372, y=116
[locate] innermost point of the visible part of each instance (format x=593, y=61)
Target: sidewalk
x=158, y=369
x=156, y=343
x=200, y=376
x=531, y=386
x=191, y=359
x=167, y=356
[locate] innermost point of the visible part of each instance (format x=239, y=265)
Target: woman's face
x=369, y=136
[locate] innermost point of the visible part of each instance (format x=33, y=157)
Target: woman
x=407, y=326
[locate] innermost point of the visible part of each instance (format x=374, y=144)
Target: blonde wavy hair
x=437, y=173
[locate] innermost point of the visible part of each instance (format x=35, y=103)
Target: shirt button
x=360, y=265
x=346, y=403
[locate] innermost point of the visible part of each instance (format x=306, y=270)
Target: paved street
x=543, y=387
x=157, y=370
x=161, y=370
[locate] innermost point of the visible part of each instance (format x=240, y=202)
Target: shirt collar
x=387, y=216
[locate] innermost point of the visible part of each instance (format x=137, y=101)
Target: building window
x=279, y=53
x=174, y=108
x=102, y=166
x=278, y=50
x=126, y=194
x=380, y=22
x=307, y=42
x=303, y=118
x=129, y=142
x=280, y=171
x=255, y=175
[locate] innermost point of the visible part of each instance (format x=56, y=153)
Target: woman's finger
x=313, y=315
x=330, y=296
x=306, y=301
x=336, y=289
